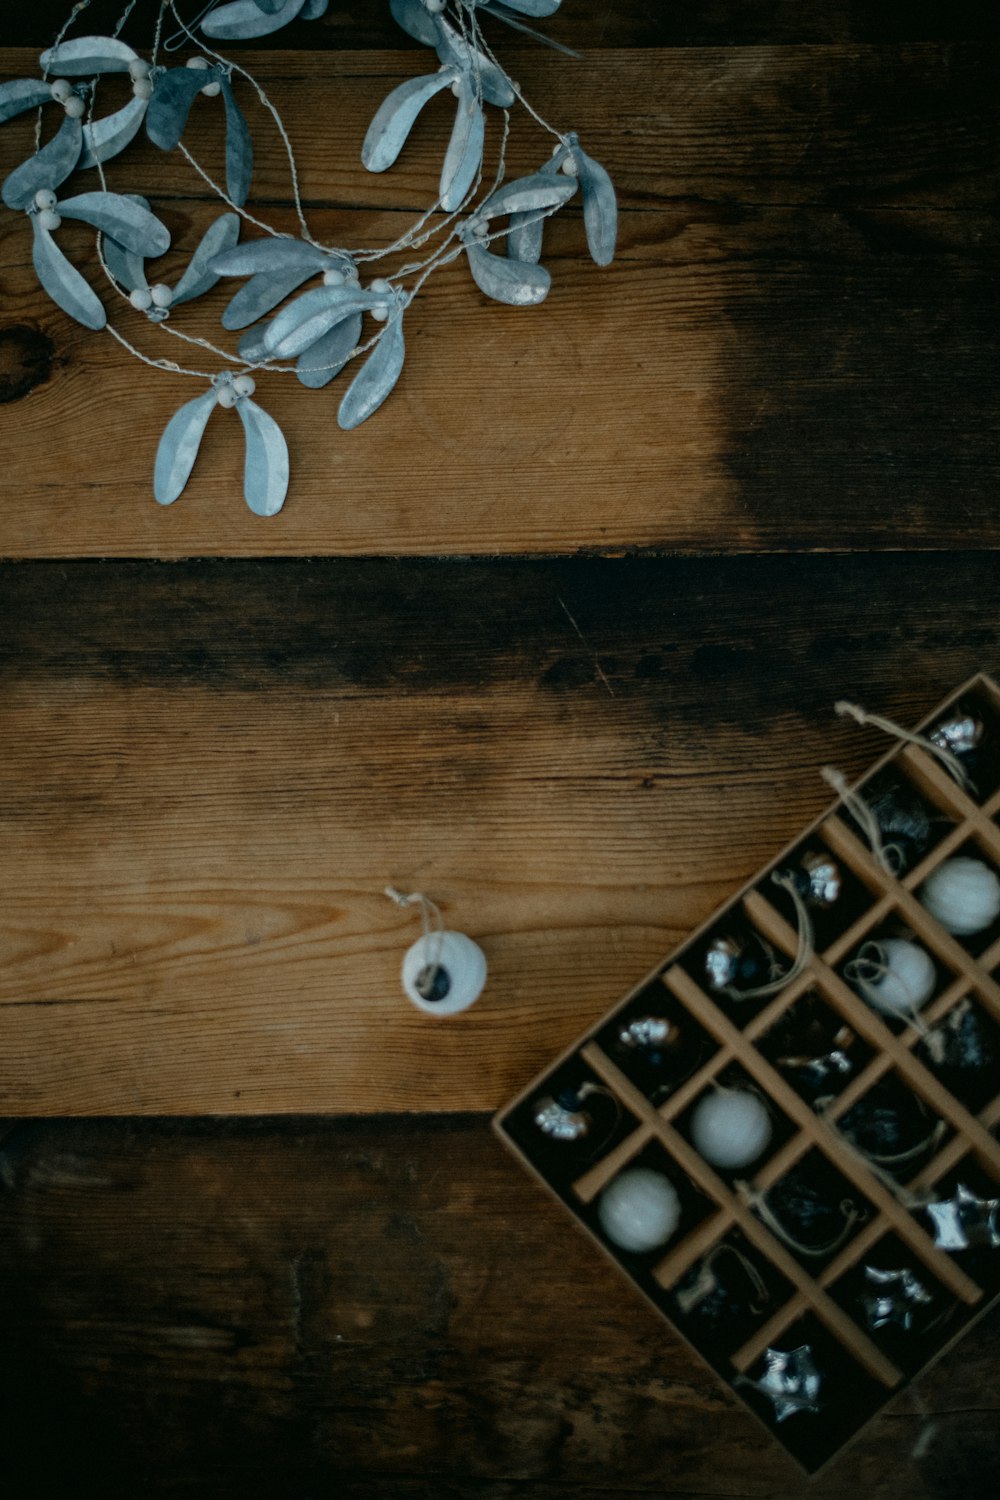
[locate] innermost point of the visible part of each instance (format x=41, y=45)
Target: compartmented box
x=822, y=1274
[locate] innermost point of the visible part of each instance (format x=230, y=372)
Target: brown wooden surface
x=211, y=768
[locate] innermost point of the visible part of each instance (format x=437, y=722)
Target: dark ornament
x=561, y=1116
x=960, y=1041
x=817, y=879
x=733, y=963
x=892, y=1297
x=791, y=1381
x=903, y=823
x=964, y=1221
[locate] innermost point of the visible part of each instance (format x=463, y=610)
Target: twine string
x=869, y=966
x=948, y=759
x=889, y=856
x=756, y=1199
x=805, y=947
x=432, y=924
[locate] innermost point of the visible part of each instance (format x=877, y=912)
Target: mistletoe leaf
x=524, y=237
x=125, y=266
x=538, y=193
x=251, y=347
x=600, y=208
x=83, y=55
x=464, y=156
x=313, y=9
x=269, y=6
x=518, y=283
x=174, y=92
x=63, y=282
x=47, y=168
x=243, y=19
x=312, y=315
x=413, y=18
x=265, y=473
x=199, y=278
x=21, y=94
x=537, y=8
x=239, y=148
x=105, y=138
x=377, y=376
x=275, y=253
x=454, y=49
x=179, y=446
x=124, y=219
x=328, y=356
x=261, y=294
x=395, y=118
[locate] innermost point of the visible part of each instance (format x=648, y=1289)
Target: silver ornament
x=791, y=1381
x=892, y=1297
x=965, y=1220
x=960, y=734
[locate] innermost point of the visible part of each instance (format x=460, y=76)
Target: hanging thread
x=805, y=947
x=948, y=759
x=891, y=857
x=757, y=1200
x=870, y=966
x=910, y=1198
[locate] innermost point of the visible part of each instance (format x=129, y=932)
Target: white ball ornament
x=141, y=298
x=731, y=1127
x=333, y=278
x=138, y=68
x=45, y=198
x=895, y=976
x=49, y=220
x=962, y=894
x=61, y=89
x=142, y=88
x=639, y=1210
x=244, y=385
x=74, y=107
x=161, y=294
x=226, y=395
x=443, y=973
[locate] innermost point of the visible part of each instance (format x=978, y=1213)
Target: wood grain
x=375, y=1310
x=212, y=772
x=796, y=347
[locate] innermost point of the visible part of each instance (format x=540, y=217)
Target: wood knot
x=26, y=359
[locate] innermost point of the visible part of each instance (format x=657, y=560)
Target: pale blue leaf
x=464, y=156
x=47, y=168
x=261, y=294
x=21, y=94
x=377, y=376
x=395, y=117
x=82, y=56
x=313, y=9
x=239, y=148
x=243, y=19
x=312, y=315
x=516, y=282
x=122, y=218
x=199, y=278
x=275, y=253
x=600, y=207
x=63, y=282
x=328, y=356
x=105, y=138
x=179, y=447
x=125, y=266
x=251, y=347
x=536, y=8
x=269, y=6
x=410, y=14
x=453, y=49
x=174, y=93
x=538, y=193
x=524, y=237
x=265, y=473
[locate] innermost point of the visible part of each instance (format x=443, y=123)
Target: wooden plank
x=374, y=1309
x=211, y=772
x=731, y=383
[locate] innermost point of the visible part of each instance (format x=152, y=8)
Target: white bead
x=460, y=965
x=225, y=395
x=161, y=294
x=141, y=299
x=333, y=278
x=963, y=894
x=380, y=285
x=639, y=1210
x=74, y=107
x=49, y=220
x=61, y=89
x=731, y=1127
x=211, y=89
x=244, y=385
x=138, y=68
x=380, y=312
x=198, y=62
x=456, y=88
x=435, y=6
x=142, y=88
x=45, y=198
x=570, y=167
x=907, y=982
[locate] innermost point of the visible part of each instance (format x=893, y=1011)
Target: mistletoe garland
x=499, y=231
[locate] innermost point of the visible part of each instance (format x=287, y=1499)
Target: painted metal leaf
x=83, y=55
x=125, y=266
x=105, y=138
x=600, y=208
x=47, y=168
x=275, y=253
x=21, y=94
x=328, y=356
x=261, y=294
x=179, y=446
x=251, y=347
x=377, y=376
x=239, y=148
x=452, y=48
x=269, y=6
x=518, y=283
x=524, y=237
x=536, y=8
x=537, y=193
x=313, y=9
x=174, y=93
x=464, y=156
x=63, y=282
x=312, y=315
x=122, y=218
x=242, y=19
x=395, y=117
x=265, y=473
x=413, y=18
x=199, y=278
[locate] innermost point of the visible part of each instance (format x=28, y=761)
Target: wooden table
x=554, y=638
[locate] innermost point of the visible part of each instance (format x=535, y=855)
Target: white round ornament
x=444, y=973
x=639, y=1210
x=902, y=976
x=962, y=894
x=731, y=1127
